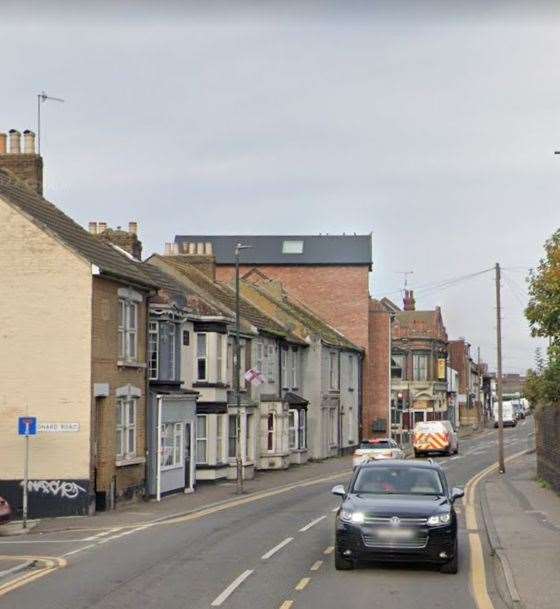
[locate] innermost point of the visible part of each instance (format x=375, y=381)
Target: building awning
x=295, y=400
x=211, y=407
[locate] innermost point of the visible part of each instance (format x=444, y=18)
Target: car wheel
x=451, y=567
x=341, y=563
x=416, y=454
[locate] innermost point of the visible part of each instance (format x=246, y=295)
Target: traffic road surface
x=268, y=550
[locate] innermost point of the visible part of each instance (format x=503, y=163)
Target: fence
x=547, y=419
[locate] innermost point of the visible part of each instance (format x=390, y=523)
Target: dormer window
x=292, y=247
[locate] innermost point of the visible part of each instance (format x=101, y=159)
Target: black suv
x=397, y=511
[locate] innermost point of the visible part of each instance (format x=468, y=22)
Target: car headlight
x=348, y=516
x=439, y=519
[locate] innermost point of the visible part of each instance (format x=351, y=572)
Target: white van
x=435, y=436
x=508, y=415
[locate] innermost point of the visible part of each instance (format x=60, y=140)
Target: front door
x=187, y=455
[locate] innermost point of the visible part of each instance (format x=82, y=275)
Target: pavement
x=268, y=549
x=523, y=520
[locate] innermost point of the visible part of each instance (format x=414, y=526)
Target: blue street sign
x=27, y=426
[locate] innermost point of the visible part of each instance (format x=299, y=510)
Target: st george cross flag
x=254, y=377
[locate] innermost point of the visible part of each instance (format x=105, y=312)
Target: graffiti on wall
x=64, y=489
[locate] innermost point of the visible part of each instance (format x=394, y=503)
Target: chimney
x=15, y=141
x=198, y=254
x=101, y=227
x=133, y=228
x=28, y=142
x=409, y=304
x=126, y=240
x=92, y=227
x=26, y=166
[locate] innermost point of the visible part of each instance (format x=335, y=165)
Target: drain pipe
x=158, y=449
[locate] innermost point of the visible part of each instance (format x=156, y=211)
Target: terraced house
x=72, y=347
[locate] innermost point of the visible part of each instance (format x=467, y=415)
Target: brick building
x=72, y=350
x=330, y=274
x=469, y=394
x=418, y=364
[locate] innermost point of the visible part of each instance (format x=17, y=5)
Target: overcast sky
x=432, y=125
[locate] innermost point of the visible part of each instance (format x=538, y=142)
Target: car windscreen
x=384, y=480
x=379, y=444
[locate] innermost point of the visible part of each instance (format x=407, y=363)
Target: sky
x=431, y=125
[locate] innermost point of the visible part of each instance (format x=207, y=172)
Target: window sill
x=124, y=364
x=166, y=468
x=133, y=461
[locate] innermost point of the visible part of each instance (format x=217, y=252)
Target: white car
x=377, y=448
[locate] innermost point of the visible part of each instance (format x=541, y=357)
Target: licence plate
x=395, y=533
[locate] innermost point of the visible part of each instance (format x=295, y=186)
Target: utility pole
x=501, y=464
x=237, y=373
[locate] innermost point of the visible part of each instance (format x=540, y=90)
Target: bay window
x=219, y=358
x=420, y=367
x=202, y=438
x=220, y=438
x=284, y=365
x=153, y=350
x=297, y=420
x=295, y=354
x=201, y=357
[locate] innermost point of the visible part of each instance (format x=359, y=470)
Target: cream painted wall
x=45, y=350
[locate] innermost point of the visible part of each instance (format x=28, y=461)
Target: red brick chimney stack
x=409, y=304
x=24, y=164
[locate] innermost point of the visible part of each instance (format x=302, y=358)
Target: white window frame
x=284, y=367
x=270, y=432
x=128, y=330
x=177, y=448
x=219, y=358
x=232, y=436
x=200, y=358
x=201, y=439
x=153, y=350
x=126, y=422
x=333, y=427
x=220, y=438
x=293, y=416
x=333, y=370
x=302, y=429
x=294, y=353
x=172, y=333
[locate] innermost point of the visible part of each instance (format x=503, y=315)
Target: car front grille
x=416, y=543
x=405, y=522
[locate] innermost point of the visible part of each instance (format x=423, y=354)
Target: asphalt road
x=268, y=552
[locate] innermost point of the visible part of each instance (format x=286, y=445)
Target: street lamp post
x=237, y=372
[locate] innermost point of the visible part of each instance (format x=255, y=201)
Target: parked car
x=5, y=511
x=435, y=436
x=377, y=448
x=397, y=511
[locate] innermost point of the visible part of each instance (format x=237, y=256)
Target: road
x=268, y=551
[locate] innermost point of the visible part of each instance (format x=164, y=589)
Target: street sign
x=27, y=426
x=58, y=427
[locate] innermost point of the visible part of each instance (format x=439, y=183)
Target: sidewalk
x=523, y=522
x=205, y=495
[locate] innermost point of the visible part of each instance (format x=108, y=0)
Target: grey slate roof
x=49, y=217
x=267, y=249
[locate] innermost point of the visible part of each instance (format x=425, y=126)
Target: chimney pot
x=15, y=141
x=200, y=248
x=28, y=142
x=3, y=143
x=167, y=251
x=208, y=248
x=102, y=227
x=92, y=227
x=133, y=228
x=175, y=249
x=191, y=248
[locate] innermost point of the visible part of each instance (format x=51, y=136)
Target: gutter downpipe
x=158, y=449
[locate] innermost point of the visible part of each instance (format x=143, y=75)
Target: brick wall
x=338, y=294
x=377, y=384
x=547, y=421
x=128, y=480
x=27, y=167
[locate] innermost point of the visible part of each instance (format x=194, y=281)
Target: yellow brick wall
x=45, y=349
x=106, y=370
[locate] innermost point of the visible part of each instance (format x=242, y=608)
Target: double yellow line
x=49, y=564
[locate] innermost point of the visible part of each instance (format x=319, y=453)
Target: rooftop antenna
x=41, y=99
x=405, y=275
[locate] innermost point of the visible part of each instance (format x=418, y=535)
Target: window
x=271, y=373
x=270, y=432
x=333, y=370
x=186, y=338
x=219, y=438
x=232, y=436
x=248, y=437
x=294, y=367
x=219, y=358
x=242, y=363
x=201, y=438
x=302, y=428
x=153, y=347
x=292, y=428
x=292, y=247
x=128, y=316
x=332, y=426
x=126, y=428
x=201, y=358
x=284, y=364
x=172, y=367
x=172, y=442
x=259, y=355
x=419, y=367
x=397, y=366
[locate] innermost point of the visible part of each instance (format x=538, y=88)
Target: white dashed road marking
x=231, y=588
x=275, y=549
x=311, y=524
